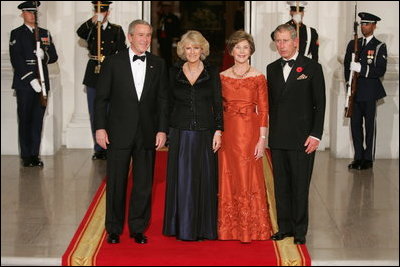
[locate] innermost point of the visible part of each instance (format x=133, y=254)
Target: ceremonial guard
x=107, y=40
x=30, y=52
x=370, y=67
x=308, y=36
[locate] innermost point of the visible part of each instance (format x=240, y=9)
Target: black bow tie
x=289, y=62
x=135, y=57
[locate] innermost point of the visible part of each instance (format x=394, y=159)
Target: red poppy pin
x=299, y=69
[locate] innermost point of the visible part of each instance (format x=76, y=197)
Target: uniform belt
x=92, y=57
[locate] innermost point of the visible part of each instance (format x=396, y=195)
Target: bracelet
x=218, y=133
x=263, y=137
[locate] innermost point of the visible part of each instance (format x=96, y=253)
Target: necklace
x=241, y=75
x=193, y=73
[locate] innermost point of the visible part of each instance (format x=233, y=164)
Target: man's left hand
x=311, y=144
x=161, y=138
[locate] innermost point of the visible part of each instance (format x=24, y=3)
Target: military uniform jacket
x=373, y=59
x=112, y=41
x=23, y=59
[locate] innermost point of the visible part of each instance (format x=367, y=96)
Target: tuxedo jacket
x=125, y=113
x=373, y=60
x=297, y=106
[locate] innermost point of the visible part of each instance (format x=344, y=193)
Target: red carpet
x=89, y=245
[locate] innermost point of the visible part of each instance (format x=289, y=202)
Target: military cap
x=29, y=5
x=293, y=5
x=368, y=17
x=104, y=5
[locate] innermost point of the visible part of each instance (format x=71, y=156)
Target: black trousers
x=30, y=122
x=292, y=175
x=364, y=113
x=118, y=161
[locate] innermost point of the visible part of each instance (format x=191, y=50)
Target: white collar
x=104, y=25
x=29, y=27
x=369, y=38
x=131, y=53
x=294, y=57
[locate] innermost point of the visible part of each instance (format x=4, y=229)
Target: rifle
x=43, y=95
x=352, y=84
x=99, y=56
x=298, y=24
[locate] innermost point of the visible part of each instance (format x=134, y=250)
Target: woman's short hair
x=237, y=37
x=195, y=38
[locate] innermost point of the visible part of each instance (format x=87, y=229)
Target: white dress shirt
x=287, y=68
x=138, y=71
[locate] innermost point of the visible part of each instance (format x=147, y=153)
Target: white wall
x=333, y=21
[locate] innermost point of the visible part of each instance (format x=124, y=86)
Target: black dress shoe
x=300, y=240
x=366, y=164
x=139, y=238
x=27, y=162
x=280, y=236
x=113, y=238
x=99, y=155
x=355, y=164
x=36, y=161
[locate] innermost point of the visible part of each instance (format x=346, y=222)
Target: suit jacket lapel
x=127, y=66
x=292, y=75
x=149, y=74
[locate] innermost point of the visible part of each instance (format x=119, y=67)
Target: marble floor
x=354, y=215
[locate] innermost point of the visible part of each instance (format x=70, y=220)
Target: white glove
x=36, y=85
x=39, y=53
x=100, y=17
x=355, y=66
x=297, y=18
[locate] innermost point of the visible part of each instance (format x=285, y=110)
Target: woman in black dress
x=194, y=138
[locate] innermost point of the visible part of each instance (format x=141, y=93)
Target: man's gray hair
x=133, y=24
x=286, y=28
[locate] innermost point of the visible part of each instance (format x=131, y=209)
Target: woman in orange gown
x=243, y=212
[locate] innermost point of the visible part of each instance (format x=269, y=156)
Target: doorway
x=216, y=20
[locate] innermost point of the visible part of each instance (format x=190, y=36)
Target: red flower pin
x=299, y=69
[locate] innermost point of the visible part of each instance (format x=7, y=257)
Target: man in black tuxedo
x=133, y=82
x=297, y=109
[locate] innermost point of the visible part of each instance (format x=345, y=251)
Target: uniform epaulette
x=115, y=25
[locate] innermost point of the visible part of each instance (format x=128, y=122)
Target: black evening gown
x=191, y=196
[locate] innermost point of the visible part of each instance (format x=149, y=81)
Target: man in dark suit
x=24, y=58
x=112, y=41
x=297, y=108
x=371, y=67
x=134, y=83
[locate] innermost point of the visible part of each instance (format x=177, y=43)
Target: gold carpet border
x=288, y=252
x=91, y=236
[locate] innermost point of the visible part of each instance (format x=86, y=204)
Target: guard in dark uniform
x=167, y=31
x=112, y=41
x=371, y=67
x=308, y=39
x=23, y=57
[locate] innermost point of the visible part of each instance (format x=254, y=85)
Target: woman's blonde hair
x=195, y=38
x=237, y=37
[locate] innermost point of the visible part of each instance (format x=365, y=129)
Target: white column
x=78, y=131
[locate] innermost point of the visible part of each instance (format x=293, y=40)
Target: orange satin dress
x=243, y=212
